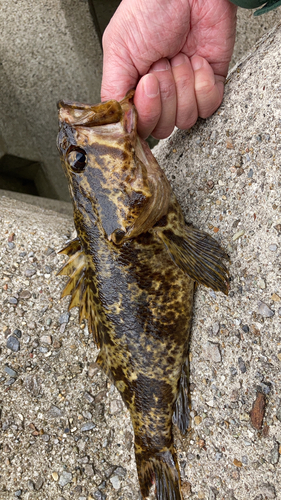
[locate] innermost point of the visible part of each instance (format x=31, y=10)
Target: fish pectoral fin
x=198, y=255
x=81, y=287
x=181, y=416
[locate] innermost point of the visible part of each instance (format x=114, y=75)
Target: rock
x=120, y=471
x=30, y=272
x=39, y=483
x=30, y=485
x=64, y=318
x=18, y=333
x=242, y=365
x=258, y=411
x=211, y=352
x=18, y=493
x=54, y=412
x=272, y=248
x=25, y=294
x=264, y=310
x=268, y=490
x=213, y=492
x=88, y=426
x=89, y=470
x=216, y=328
x=65, y=478
x=116, y=406
x=115, y=481
x=98, y=495
x=10, y=371
x=33, y=384
x=13, y=343
x=274, y=454
x=46, y=339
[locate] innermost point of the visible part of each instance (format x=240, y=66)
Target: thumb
x=119, y=73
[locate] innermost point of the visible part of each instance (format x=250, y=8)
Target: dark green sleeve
x=252, y=4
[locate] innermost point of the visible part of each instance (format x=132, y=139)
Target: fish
x=132, y=271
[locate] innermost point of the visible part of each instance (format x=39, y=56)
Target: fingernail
x=178, y=60
x=197, y=63
x=150, y=85
x=161, y=65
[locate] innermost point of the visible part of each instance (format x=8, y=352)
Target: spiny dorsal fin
x=81, y=286
x=198, y=255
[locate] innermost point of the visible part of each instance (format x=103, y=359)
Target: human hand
x=176, y=53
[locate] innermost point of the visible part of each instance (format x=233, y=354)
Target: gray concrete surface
x=64, y=431
x=48, y=51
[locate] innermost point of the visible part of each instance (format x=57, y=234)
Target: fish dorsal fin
x=181, y=416
x=81, y=286
x=198, y=255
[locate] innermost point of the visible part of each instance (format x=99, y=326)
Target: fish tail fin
x=161, y=470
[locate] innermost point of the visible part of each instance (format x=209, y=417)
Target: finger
x=209, y=88
x=148, y=103
x=165, y=126
x=187, y=112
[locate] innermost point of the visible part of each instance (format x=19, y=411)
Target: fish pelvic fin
x=181, y=416
x=198, y=255
x=81, y=286
x=162, y=471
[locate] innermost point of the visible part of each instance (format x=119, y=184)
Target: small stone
x=197, y=420
x=64, y=318
x=116, y=406
x=43, y=349
x=57, y=344
x=13, y=300
x=9, y=382
x=274, y=454
x=33, y=384
x=245, y=459
x=30, y=272
x=46, y=438
x=17, y=332
x=98, y=495
x=65, y=478
x=30, y=485
x=272, y=248
x=49, y=322
x=115, y=481
x=88, y=397
x=211, y=352
x=216, y=328
x=18, y=493
x=55, y=476
x=13, y=343
x=264, y=310
x=10, y=371
x=39, y=483
x=275, y=297
x=268, y=490
x=218, y=455
x=233, y=371
x=213, y=492
x=237, y=463
x=258, y=411
x=278, y=413
x=120, y=471
x=46, y=339
x=250, y=173
x=88, y=426
x=242, y=366
x=89, y=470
x=54, y=412
x=261, y=284
x=93, y=369
x=238, y=235
x=25, y=294
x=245, y=328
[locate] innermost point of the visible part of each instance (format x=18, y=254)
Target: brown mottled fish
x=132, y=271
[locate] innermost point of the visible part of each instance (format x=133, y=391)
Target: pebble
x=216, y=328
x=55, y=476
x=39, y=483
x=245, y=328
x=233, y=371
x=115, y=406
x=120, y=471
x=211, y=352
x=278, y=413
x=258, y=411
x=89, y=470
x=13, y=344
x=268, y=490
x=115, y=481
x=98, y=495
x=87, y=427
x=279, y=312
x=18, y=493
x=65, y=478
x=54, y=412
x=272, y=248
x=274, y=454
x=46, y=339
x=64, y=318
x=264, y=310
x=261, y=284
x=30, y=485
x=17, y=332
x=25, y=294
x=10, y=371
x=245, y=459
x=30, y=272
x=238, y=235
x=213, y=492
x=33, y=384
x=49, y=322
x=13, y=300
x=9, y=382
x=242, y=366
x=250, y=173
x=88, y=397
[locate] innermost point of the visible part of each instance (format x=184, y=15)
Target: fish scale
x=132, y=271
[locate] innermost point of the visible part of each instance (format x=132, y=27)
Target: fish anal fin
x=198, y=255
x=181, y=416
x=162, y=470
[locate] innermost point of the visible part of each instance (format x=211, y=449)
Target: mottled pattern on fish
x=131, y=272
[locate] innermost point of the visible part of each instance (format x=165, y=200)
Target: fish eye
x=77, y=159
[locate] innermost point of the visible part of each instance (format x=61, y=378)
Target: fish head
x=110, y=170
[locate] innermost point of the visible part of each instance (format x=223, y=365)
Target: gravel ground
x=65, y=433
